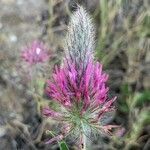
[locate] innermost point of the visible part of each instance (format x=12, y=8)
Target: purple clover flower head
x=80, y=84
x=72, y=84
x=81, y=92
x=35, y=53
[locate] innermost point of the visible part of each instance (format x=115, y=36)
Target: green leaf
x=142, y=98
x=63, y=145
x=126, y=90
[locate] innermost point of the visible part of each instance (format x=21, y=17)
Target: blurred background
x=122, y=46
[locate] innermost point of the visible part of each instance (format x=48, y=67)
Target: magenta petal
x=106, y=107
x=54, y=139
x=51, y=113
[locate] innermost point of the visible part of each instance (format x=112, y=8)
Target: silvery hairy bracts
x=80, y=37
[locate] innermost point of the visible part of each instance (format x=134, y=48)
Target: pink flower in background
x=35, y=53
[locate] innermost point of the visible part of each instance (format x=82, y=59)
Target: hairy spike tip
x=80, y=37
